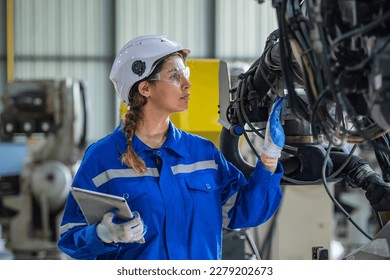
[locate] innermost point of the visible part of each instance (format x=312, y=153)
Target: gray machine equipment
x=330, y=59
x=43, y=133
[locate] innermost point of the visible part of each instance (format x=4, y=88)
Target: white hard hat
x=136, y=61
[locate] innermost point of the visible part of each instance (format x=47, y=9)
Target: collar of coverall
x=172, y=142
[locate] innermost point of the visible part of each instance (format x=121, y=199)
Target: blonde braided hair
x=131, y=120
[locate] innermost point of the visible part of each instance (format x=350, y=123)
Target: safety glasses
x=173, y=75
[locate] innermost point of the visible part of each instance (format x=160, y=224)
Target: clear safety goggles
x=173, y=75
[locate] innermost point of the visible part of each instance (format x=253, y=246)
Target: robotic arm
x=342, y=49
x=330, y=59
x=333, y=71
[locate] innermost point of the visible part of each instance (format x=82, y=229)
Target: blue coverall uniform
x=186, y=196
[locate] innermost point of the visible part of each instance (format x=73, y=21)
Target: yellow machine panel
x=202, y=115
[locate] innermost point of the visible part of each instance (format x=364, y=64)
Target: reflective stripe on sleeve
x=109, y=174
x=226, y=208
x=67, y=227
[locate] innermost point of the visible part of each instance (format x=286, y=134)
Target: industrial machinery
x=330, y=60
x=43, y=133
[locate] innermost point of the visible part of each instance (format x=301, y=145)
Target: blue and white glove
x=274, y=134
x=110, y=229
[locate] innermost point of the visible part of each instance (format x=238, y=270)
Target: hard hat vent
x=138, y=67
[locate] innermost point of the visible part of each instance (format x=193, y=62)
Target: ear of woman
x=144, y=88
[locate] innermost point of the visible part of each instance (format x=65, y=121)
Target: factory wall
x=3, y=67
x=79, y=39
x=242, y=28
x=59, y=39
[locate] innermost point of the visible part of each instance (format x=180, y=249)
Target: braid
x=131, y=119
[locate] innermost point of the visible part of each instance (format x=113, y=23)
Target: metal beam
x=10, y=40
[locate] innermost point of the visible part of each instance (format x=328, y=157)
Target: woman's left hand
x=274, y=134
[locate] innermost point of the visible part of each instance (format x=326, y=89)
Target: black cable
x=334, y=200
x=316, y=115
x=331, y=178
x=346, y=160
x=360, y=65
x=285, y=56
x=321, y=47
x=360, y=30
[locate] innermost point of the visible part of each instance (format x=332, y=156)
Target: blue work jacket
x=186, y=196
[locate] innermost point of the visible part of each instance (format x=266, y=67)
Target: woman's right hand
x=111, y=229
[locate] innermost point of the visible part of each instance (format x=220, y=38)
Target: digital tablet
x=94, y=205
